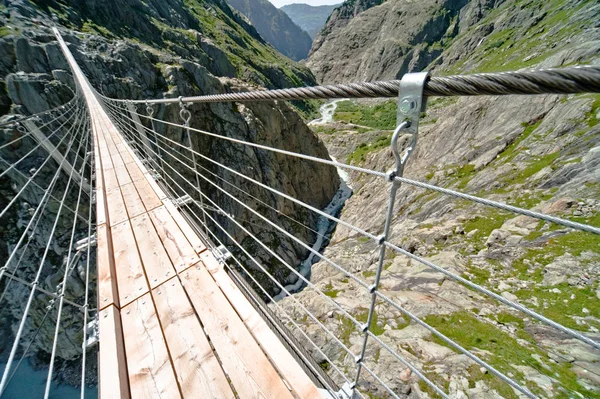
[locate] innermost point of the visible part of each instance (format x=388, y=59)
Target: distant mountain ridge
x=310, y=18
x=276, y=27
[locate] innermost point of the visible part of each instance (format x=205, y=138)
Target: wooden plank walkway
x=172, y=323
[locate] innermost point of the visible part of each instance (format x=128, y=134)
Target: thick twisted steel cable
x=346, y=314
x=34, y=285
x=42, y=204
x=165, y=139
x=579, y=79
x=40, y=114
x=64, y=282
x=495, y=204
x=30, y=179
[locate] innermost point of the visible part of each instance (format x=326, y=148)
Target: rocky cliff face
x=536, y=152
x=150, y=50
x=276, y=27
x=310, y=18
x=374, y=40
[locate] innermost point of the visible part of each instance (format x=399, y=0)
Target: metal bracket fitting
x=91, y=333
x=222, y=254
x=85, y=242
x=181, y=201
x=411, y=103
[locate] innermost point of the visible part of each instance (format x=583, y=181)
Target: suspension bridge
x=174, y=317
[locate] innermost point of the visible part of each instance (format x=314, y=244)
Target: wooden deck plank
x=157, y=265
x=127, y=158
x=132, y=200
x=134, y=171
x=199, y=373
x=130, y=274
x=113, y=381
x=147, y=194
x=107, y=280
x=116, y=206
x=185, y=227
x=250, y=371
x=277, y=352
x=180, y=251
x=150, y=372
x=110, y=179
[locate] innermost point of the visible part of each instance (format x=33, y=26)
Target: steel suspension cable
x=495, y=204
x=579, y=79
x=31, y=295
x=47, y=139
x=166, y=139
x=30, y=179
x=493, y=370
x=63, y=284
x=43, y=202
x=68, y=110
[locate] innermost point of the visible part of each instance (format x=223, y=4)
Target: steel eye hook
x=149, y=109
x=184, y=113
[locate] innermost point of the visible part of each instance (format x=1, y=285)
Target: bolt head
x=407, y=106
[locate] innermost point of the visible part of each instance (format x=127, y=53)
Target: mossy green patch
x=378, y=116
x=563, y=302
x=361, y=151
x=363, y=317
x=485, y=223
x=503, y=351
x=330, y=292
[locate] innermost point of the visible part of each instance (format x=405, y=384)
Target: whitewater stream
x=327, y=110
x=324, y=225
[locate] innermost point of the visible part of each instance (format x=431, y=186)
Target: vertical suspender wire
x=30, y=179
x=411, y=125
x=150, y=111
x=186, y=116
x=66, y=275
x=35, y=284
x=413, y=369
x=38, y=145
x=40, y=206
x=85, y=307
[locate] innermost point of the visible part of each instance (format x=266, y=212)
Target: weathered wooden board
x=286, y=364
x=187, y=230
x=130, y=274
x=112, y=369
x=250, y=371
x=155, y=259
x=133, y=202
x=116, y=206
x=180, y=251
x=199, y=373
x=149, y=367
x=134, y=171
x=147, y=194
x=107, y=280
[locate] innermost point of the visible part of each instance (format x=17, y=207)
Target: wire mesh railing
x=184, y=170
x=224, y=204
x=46, y=164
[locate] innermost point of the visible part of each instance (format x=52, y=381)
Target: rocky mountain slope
x=536, y=152
x=163, y=49
x=276, y=27
x=310, y=18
